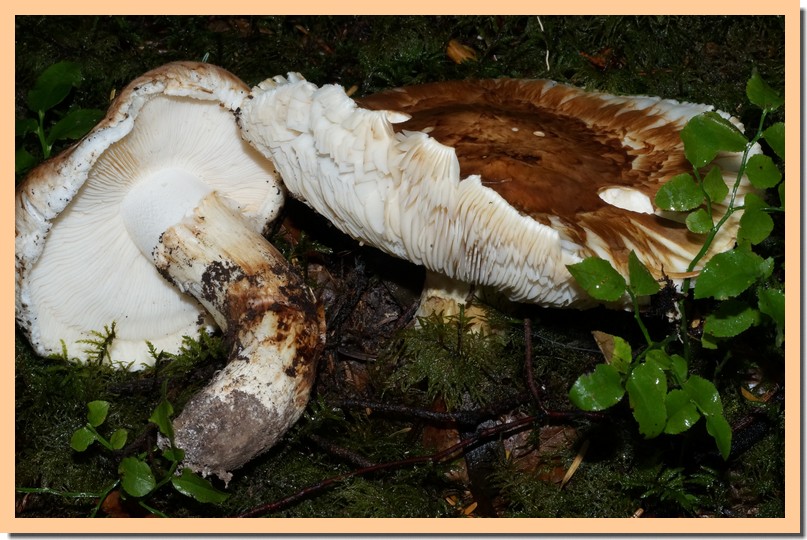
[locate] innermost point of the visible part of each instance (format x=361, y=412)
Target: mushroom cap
x=493, y=182
x=77, y=269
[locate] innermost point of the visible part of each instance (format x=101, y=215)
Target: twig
x=528, y=370
x=340, y=451
x=436, y=458
x=472, y=417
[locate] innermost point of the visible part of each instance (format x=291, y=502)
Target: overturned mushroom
x=154, y=221
x=500, y=183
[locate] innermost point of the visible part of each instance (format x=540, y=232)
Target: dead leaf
x=460, y=53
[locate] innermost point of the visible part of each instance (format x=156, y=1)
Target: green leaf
x=755, y=226
x=23, y=160
x=720, y=430
x=762, y=171
x=775, y=135
x=597, y=390
x=136, y=477
x=53, y=85
x=174, y=454
x=728, y=274
x=781, y=191
x=772, y=304
x=82, y=439
x=682, y=414
x=162, y=417
x=647, y=390
x=675, y=364
x=599, y=279
x=118, y=439
x=97, y=411
x=622, y=356
x=714, y=185
x=74, y=125
x=23, y=126
x=710, y=342
x=699, y=221
x=704, y=394
x=679, y=194
x=642, y=281
x=766, y=268
x=708, y=133
x=192, y=485
x=660, y=357
x=761, y=94
x=679, y=368
x=730, y=319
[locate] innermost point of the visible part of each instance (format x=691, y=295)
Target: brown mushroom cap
x=586, y=164
x=501, y=183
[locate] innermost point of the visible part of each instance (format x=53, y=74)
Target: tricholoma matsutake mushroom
x=154, y=221
x=498, y=183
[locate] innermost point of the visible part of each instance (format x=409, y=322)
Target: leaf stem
x=40, y=133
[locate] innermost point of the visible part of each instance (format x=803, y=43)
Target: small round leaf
x=136, y=477
x=682, y=414
x=775, y=135
x=708, y=133
x=647, y=390
x=730, y=319
x=761, y=94
x=720, y=430
x=755, y=226
x=599, y=279
x=162, y=417
x=699, y=221
x=714, y=185
x=703, y=393
x=96, y=412
x=82, y=439
x=679, y=194
x=772, y=304
x=728, y=274
x=762, y=171
x=118, y=439
x=193, y=485
x=598, y=390
x=642, y=281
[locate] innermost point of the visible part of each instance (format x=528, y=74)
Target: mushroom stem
x=269, y=316
x=446, y=297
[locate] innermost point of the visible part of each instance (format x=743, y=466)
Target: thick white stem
x=270, y=318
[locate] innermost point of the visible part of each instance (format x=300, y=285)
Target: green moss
x=446, y=359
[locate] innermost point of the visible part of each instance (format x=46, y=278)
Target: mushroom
x=153, y=221
x=500, y=183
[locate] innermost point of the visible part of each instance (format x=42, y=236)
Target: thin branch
x=472, y=417
x=340, y=451
x=437, y=458
x=528, y=369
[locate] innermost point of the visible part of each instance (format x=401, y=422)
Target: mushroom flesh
x=154, y=221
x=499, y=183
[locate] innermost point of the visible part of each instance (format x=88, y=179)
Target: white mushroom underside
x=109, y=279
